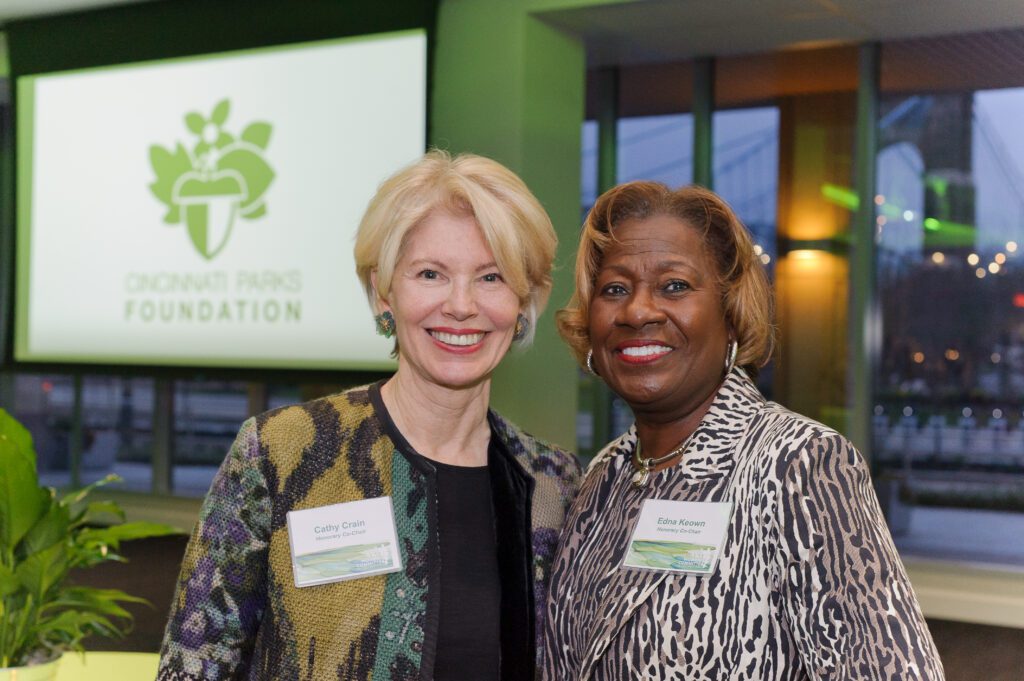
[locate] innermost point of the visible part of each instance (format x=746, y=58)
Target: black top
x=511, y=490
x=469, y=635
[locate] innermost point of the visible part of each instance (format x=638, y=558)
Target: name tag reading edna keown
x=343, y=541
x=678, y=536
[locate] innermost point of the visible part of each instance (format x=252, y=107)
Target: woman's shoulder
x=782, y=437
x=346, y=408
x=329, y=424
x=778, y=421
x=539, y=457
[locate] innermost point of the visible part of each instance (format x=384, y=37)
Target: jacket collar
x=511, y=439
x=710, y=452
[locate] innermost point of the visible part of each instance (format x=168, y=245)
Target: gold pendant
x=640, y=478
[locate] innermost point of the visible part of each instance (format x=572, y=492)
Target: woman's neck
x=443, y=424
x=660, y=432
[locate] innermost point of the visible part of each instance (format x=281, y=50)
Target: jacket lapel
x=707, y=466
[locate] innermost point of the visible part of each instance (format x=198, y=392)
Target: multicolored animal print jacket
x=237, y=613
x=808, y=584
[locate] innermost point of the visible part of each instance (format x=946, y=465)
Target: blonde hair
x=746, y=293
x=513, y=223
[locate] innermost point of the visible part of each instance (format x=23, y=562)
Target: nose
x=641, y=309
x=461, y=301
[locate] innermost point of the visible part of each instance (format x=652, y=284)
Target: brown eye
x=676, y=286
x=613, y=290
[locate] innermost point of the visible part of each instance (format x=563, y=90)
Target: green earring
x=385, y=324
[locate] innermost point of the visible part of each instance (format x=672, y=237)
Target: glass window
x=746, y=170
x=207, y=416
x=746, y=174
x=283, y=395
x=948, y=435
x=656, y=148
x=43, y=403
x=117, y=425
x=588, y=168
x=783, y=158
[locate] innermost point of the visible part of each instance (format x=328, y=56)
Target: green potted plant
x=43, y=537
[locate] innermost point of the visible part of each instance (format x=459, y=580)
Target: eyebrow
x=661, y=266
x=440, y=265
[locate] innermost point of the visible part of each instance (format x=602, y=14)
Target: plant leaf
x=8, y=583
x=254, y=170
x=115, y=534
x=40, y=571
x=100, y=601
x=22, y=501
x=257, y=133
x=77, y=500
x=11, y=429
x=220, y=112
x=195, y=122
x=99, y=513
x=51, y=528
x=168, y=168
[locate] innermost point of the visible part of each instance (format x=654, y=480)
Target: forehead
x=447, y=234
x=657, y=238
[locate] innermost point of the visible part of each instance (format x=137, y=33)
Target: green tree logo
x=218, y=180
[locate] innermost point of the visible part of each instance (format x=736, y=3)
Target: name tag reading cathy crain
x=343, y=541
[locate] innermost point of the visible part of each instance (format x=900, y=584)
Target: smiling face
x=657, y=326
x=455, y=315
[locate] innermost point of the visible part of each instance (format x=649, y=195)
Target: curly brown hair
x=746, y=293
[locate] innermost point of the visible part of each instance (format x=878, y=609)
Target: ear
x=380, y=304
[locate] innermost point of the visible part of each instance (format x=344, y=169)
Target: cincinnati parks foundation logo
x=216, y=181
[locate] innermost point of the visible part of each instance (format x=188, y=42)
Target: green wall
x=509, y=86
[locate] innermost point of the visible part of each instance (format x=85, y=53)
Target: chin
x=459, y=380
x=641, y=394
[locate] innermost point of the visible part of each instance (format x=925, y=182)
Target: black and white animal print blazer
x=808, y=584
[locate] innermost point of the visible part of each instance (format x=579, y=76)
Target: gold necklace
x=642, y=468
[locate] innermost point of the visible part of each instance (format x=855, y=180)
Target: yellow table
x=108, y=667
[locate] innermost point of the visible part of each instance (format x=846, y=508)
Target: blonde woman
x=455, y=256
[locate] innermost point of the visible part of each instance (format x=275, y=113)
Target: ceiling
x=645, y=31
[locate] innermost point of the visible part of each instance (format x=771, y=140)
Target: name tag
x=343, y=541
x=678, y=536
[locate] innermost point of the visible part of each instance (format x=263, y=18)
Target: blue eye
x=492, y=278
x=428, y=274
